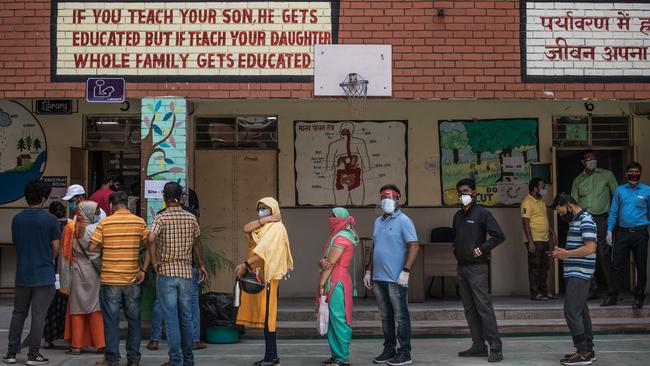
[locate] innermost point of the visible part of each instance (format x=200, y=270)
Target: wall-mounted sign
x=105, y=90
x=53, y=106
x=189, y=40
x=585, y=41
x=154, y=188
x=59, y=186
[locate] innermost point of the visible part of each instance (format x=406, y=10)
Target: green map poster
x=496, y=153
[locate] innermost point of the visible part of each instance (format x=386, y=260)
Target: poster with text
x=345, y=163
x=495, y=153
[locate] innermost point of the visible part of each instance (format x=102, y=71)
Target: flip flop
x=73, y=351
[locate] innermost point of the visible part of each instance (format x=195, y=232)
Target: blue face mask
x=73, y=206
x=96, y=219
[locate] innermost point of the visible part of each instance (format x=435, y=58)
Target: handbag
x=323, y=318
x=97, y=262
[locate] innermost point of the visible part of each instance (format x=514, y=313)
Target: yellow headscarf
x=272, y=245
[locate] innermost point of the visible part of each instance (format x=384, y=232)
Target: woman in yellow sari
x=269, y=253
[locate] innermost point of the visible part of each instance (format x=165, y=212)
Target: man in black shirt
x=472, y=223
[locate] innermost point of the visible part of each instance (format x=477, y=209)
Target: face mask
x=633, y=178
x=262, y=213
x=567, y=217
x=388, y=205
x=591, y=164
x=96, y=219
x=465, y=199
x=541, y=193
x=73, y=206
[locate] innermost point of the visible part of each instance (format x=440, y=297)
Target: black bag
x=217, y=309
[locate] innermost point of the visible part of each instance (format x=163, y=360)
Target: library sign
x=585, y=41
x=190, y=40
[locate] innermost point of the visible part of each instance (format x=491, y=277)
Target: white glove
x=403, y=279
x=609, y=238
x=367, y=280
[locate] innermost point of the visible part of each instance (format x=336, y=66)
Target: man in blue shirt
x=35, y=233
x=630, y=208
x=394, y=251
x=579, y=258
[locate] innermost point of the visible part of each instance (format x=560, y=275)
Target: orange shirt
x=120, y=236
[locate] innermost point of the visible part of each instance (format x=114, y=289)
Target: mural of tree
x=21, y=145
x=479, y=139
x=166, y=140
x=28, y=143
x=454, y=140
x=37, y=144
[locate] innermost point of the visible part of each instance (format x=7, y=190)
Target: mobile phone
x=549, y=252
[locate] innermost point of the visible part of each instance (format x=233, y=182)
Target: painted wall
x=62, y=133
x=307, y=226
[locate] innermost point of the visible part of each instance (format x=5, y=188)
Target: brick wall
x=471, y=52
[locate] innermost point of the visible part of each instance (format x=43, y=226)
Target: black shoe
x=37, y=360
x=386, y=355
x=577, y=359
x=474, y=351
x=400, y=359
x=267, y=363
x=495, y=355
x=592, y=296
x=10, y=358
x=609, y=301
x=638, y=303
x=591, y=354
x=539, y=297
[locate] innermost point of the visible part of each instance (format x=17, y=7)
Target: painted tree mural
x=454, y=140
x=21, y=145
x=163, y=144
x=37, y=144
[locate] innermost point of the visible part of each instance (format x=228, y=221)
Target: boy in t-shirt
x=579, y=258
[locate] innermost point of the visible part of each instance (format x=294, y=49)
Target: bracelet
x=248, y=266
x=406, y=270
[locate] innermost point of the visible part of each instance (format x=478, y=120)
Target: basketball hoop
x=356, y=90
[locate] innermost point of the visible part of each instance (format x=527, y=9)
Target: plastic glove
x=367, y=280
x=403, y=279
x=609, y=238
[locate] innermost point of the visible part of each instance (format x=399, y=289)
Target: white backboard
x=333, y=63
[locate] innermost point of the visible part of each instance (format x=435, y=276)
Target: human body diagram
x=348, y=158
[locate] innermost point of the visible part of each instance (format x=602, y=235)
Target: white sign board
x=513, y=164
x=345, y=163
x=154, y=188
x=585, y=40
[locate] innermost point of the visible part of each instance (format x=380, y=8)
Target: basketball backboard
x=334, y=62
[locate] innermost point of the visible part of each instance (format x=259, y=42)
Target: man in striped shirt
x=579, y=258
x=119, y=238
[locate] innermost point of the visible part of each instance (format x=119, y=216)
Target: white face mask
x=262, y=213
x=388, y=205
x=465, y=199
x=591, y=164
x=542, y=192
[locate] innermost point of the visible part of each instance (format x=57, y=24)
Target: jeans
x=39, y=298
x=626, y=242
x=175, y=296
x=110, y=299
x=392, y=300
x=477, y=302
x=157, y=315
x=576, y=313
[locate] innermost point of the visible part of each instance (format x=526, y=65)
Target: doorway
x=610, y=138
x=113, y=149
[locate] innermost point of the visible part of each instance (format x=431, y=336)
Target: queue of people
x=100, y=268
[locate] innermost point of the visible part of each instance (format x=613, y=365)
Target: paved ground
x=628, y=350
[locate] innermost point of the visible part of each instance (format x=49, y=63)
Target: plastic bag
x=323, y=319
x=217, y=309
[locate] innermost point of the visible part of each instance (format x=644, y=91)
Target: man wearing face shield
x=394, y=251
x=593, y=190
x=630, y=209
x=472, y=224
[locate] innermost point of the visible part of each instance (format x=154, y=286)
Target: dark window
x=591, y=131
x=113, y=133
x=253, y=132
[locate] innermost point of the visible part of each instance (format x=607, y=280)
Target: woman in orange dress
x=84, y=326
x=269, y=254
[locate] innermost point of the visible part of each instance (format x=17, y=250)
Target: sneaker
x=400, y=359
x=384, y=356
x=495, y=355
x=474, y=351
x=577, y=359
x=10, y=358
x=37, y=360
x=592, y=356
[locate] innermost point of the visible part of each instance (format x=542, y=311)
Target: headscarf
x=272, y=244
x=342, y=222
x=84, y=216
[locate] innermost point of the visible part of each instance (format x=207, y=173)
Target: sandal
x=100, y=350
x=73, y=351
